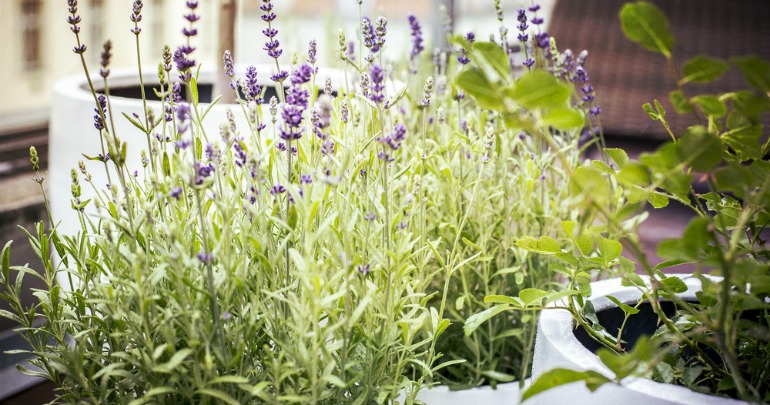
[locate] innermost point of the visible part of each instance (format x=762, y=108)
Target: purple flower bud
x=370, y=216
x=376, y=85
x=206, y=258
x=277, y=189
x=363, y=269
x=534, y=8
x=253, y=89
x=280, y=76
x=416, y=36
x=305, y=179
x=311, y=52
x=175, y=193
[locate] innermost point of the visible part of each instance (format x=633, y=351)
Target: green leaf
x=475, y=320
x=543, y=245
x=703, y=69
x=477, y=85
x=700, y=149
x=680, y=103
x=540, y=89
x=584, y=242
x=531, y=296
x=674, y=284
x=634, y=174
x=745, y=141
x=619, y=156
x=609, y=249
x=658, y=200
x=219, y=395
x=6, y=263
x=646, y=25
x=627, y=309
x=710, y=105
x=498, y=376
x=492, y=55
x=502, y=299
x=563, y=118
x=134, y=122
x=194, y=91
x=560, y=376
x=174, y=362
x=756, y=72
x=591, y=185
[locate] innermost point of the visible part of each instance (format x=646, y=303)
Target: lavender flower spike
x=416, y=36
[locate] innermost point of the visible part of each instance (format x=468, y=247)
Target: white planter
x=556, y=346
x=72, y=131
x=504, y=394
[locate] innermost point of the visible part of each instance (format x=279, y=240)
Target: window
x=31, y=36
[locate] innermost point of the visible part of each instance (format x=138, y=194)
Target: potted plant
x=709, y=331
x=318, y=249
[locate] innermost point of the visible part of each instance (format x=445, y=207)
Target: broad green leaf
x=634, y=174
x=674, y=284
x=543, y=245
x=584, y=242
x=475, y=320
x=604, y=167
x=645, y=24
x=657, y=200
x=194, y=91
x=560, y=376
x=745, y=141
x=608, y=248
x=701, y=149
x=680, y=102
x=563, y=118
x=494, y=56
x=477, y=85
x=619, y=156
x=710, y=105
x=531, y=296
x=591, y=185
x=703, y=69
x=756, y=72
x=540, y=89
x=502, y=299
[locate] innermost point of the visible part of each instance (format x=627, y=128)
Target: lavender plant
x=330, y=247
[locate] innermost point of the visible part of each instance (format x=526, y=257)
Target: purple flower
x=183, y=117
x=106, y=58
x=239, y=153
x=370, y=40
x=267, y=8
x=175, y=193
x=363, y=269
x=370, y=216
x=376, y=85
x=302, y=75
x=542, y=40
x=529, y=62
x=101, y=112
x=280, y=76
x=537, y=20
x=277, y=189
x=253, y=89
x=273, y=48
x=202, y=172
x=311, y=52
x=534, y=8
x=206, y=258
x=350, y=51
x=183, y=63
x=305, y=179
x=136, y=12
x=416, y=36
x=394, y=139
x=380, y=31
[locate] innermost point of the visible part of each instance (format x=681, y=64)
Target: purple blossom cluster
x=374, y=37
x=296, y=103
x=202, y=172
x=416, y=29
x=272, y=46
x=463, y=57
x=136, y=16
x=182, y=54
x=227, y=59
x=101, y=112
x=74, y=20
x=253, y=90
x=393, y=140
x=183, y=117
x=376, y=84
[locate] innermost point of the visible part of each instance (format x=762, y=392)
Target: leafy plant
x=328, y=249
x=718, y=344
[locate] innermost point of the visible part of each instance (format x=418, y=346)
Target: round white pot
x=504, y=394
x=72, y=132
x=556, y=346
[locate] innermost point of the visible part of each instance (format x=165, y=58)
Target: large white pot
x=557, y=347
x=72, y=131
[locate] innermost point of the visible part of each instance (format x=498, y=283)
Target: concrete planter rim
x=555, y=329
